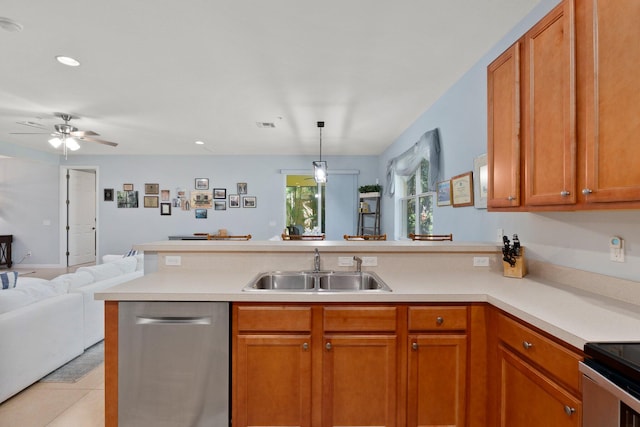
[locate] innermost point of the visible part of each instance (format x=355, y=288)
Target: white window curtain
x=427, y=147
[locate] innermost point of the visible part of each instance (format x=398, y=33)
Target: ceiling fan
x=67, y=135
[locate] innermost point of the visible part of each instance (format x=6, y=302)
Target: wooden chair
x=431, y=237
x=303, y=237
x=366, y=237
x=228, y=237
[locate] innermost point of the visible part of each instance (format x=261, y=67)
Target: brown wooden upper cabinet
x=578, y=92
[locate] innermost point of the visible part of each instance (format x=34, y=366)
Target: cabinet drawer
x=551, y=357
x=437, y=318
x=270, y=319
x=367, y=319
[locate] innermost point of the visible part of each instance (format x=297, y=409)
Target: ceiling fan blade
x=29, y=133
x=82, y=133
x=32, y=124
x=99, y=141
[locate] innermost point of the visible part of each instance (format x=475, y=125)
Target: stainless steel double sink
x=320, y=281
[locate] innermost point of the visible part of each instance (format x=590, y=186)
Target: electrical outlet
x=173, y=260
x=345, y=261
x=481, y=261
x=369, y=261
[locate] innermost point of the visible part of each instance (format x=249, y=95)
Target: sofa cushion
x=8, y=279
x=126, y=265
x=139, y=258
x=28, y=291
x=102, y=271
x=75, y=280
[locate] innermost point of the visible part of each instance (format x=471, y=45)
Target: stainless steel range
x=611, y=385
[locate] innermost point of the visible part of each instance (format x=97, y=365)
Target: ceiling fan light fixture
x=67, y=60
x=72, y=144
x=55, y=142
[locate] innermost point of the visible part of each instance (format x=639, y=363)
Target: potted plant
x=372, y=190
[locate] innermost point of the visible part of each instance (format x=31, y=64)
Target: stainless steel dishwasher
x=173, y=364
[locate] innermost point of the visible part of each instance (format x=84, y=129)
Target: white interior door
x=81, y=217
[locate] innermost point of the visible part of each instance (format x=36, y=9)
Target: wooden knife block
x=519, y=270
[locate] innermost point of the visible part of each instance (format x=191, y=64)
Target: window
x=302, y=198
x=417, y=202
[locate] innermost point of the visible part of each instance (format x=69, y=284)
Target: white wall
x=578, y=239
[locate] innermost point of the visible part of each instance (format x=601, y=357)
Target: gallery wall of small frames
x=200, y=199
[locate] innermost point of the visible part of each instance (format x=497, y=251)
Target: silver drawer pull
x=439, y=320
x=527, y=345
x=414, y=346
x=328, y=346
x=305, y=346
x=569, y=410
x=511, y=198
x=565, y=193
x=166, y=320
x=587, y=191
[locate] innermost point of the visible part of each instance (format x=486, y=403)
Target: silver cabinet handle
x=511, y=198
x=327, y=346
x=569, y=410
x=587, y=191
x=414, y=346
x=165, y=320
x=439, y=320
x=527, y=345
x=305, y=346
x=565, y=193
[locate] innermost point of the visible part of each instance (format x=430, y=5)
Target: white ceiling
x=158, y=75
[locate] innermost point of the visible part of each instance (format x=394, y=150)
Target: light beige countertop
x=571, y=314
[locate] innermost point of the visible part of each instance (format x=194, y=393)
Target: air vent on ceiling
x=266, y=124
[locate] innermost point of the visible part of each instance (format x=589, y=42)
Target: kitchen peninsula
x=441, y=308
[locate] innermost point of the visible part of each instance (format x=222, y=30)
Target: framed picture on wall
x=234, y=200
x=219, y=193
x=150, y=201
x=480, y=181
x=249, y=202
x=242, y=188
x=201, y=213
x=127, y=187
x=444, y=193
x=152, y=189
x=165, y=195
x=462, y=190
x=165, y=208
x=108, y=194
x=220, y=205
x=202, y=184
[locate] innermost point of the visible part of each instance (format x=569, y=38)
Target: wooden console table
x=5, y=250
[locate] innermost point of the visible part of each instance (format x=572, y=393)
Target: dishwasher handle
x=172, y=320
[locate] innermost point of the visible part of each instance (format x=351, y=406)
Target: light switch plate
x=369, y=261
x=173, y=260
x=481, y=261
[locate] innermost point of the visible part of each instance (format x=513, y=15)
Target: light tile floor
x=79, y=404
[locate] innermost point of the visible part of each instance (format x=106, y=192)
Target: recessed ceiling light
x=10, y=25
x=67, y=60
x=199, y=143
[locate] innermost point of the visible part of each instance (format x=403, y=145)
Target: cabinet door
x=548, y=101
x=437, y=380
x=530, y=399
x=612, y=101
x=359, y=380
x=273, y=381
x=503, y=151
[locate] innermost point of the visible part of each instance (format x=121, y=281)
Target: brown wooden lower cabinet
x=360, y=365
x=534, y=378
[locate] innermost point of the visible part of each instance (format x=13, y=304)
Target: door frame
x=63, y=218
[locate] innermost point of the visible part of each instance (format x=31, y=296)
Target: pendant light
x=319, y=166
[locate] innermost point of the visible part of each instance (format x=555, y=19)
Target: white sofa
x=46, y=323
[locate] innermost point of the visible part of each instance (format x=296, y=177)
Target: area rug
x=77, y=368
